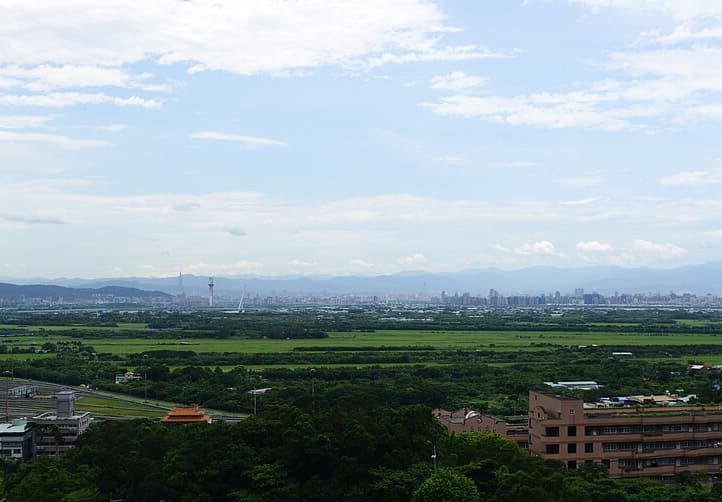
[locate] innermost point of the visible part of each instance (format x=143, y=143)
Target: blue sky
x=357, y=137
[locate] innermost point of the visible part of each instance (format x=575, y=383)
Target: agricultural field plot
x=439, y=340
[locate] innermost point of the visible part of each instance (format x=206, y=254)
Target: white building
x=58, y=430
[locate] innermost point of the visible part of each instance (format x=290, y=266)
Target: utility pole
x=145, y=374
x=312, y=372
x=255, y=393
x=7, y=392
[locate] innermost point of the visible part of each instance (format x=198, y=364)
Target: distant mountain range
x=697, y=279
x=16, y=292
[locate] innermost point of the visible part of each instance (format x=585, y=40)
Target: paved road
x=23, y=407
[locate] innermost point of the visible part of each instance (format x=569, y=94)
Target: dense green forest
x=353, y=448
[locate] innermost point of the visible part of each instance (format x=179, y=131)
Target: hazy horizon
x=369, y=274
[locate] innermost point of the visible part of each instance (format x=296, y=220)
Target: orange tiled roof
x=182, y=415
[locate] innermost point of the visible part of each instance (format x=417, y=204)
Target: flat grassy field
x=79, y=327
x=442, y=340
x=101, y=406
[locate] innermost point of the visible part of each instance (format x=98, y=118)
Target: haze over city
x=269, y=137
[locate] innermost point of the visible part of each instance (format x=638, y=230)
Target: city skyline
x=273, y=138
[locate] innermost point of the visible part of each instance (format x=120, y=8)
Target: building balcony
x=664, y=470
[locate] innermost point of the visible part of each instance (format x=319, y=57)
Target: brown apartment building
x=630, y=442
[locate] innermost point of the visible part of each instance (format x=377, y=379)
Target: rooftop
x=186, y=415
x=17, y=426
x=52, y=415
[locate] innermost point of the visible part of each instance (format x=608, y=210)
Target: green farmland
x=439, y=340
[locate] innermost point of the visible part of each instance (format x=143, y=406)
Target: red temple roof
x=186, y=415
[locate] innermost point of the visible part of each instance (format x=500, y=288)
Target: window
x=588, y=447
x=571, y=448
x=552, y=431
x=572, y=431
x=552, y=449
x=571, y=465
x=605, y=463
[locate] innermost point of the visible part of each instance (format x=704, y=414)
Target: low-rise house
x=458, y=421
x=578, y=385
x=515, y=428
x=126, y=377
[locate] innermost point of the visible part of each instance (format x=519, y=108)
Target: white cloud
x=301, y=263
x=58, y=140
x=381, y=227
x=584, y=202
x=247, y=38
x=63, y=99
x=583, y=181
x=664, y=251
x=500, y=248
x=653, y=88
x=23, y=121
x=185, y=206
x=457, y=81
x=515, y=164
x=692, y=178
x=414, y=259
x=44, y=78
x=536, y=248
x=453, y=160
x=593, y=247
x=249, y=141
x=556, y=111
x=362, y=265
x=31, y=220
x=678, y=9
x=233, y=268
x=458, y=53
x=114, y=128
